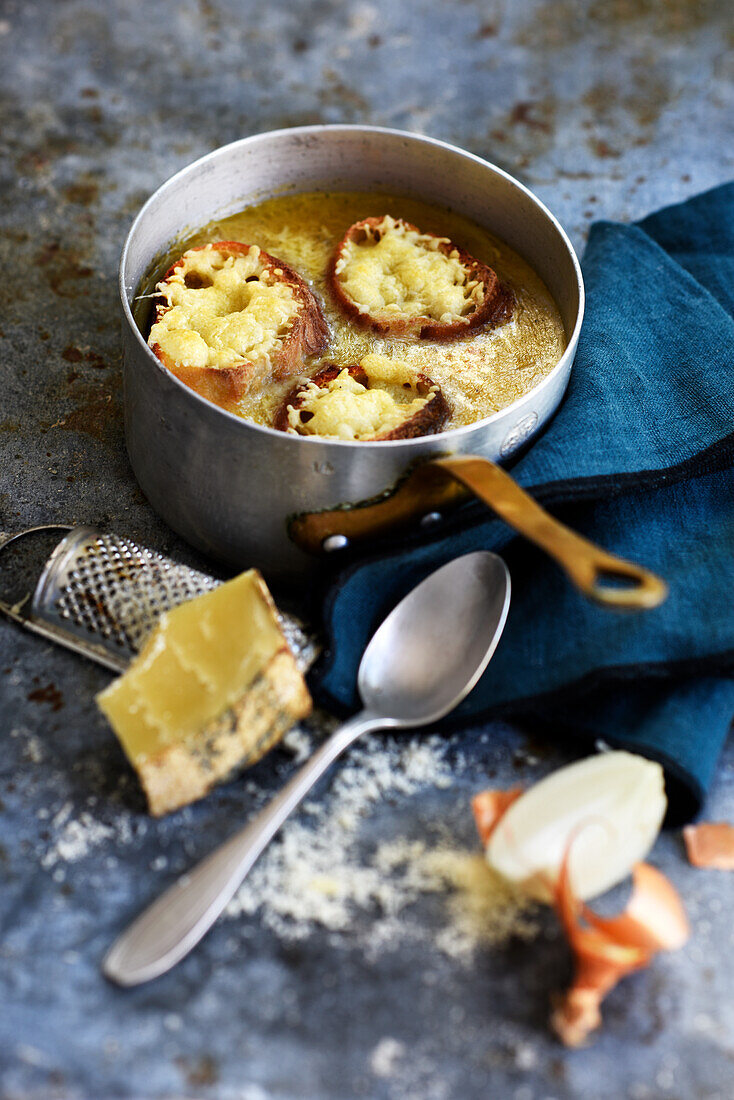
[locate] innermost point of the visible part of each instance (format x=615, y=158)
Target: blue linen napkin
x=638, y=458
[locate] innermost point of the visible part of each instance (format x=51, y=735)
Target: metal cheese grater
x=101, y=595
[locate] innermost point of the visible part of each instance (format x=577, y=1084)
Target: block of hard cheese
x=214, y=687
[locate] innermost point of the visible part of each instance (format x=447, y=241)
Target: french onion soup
x=356, y=316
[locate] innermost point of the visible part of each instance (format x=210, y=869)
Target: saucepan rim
x=450, y=436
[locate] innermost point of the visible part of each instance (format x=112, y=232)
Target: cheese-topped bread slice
x=388, y=275
x=378, y=398
x=214, y=687
x=231, y=317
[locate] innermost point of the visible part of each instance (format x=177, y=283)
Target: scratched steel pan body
x=228, y=486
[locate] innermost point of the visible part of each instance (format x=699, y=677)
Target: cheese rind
x=277, y=698
x=212, y=689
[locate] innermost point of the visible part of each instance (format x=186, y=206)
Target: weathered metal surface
x=606, y=110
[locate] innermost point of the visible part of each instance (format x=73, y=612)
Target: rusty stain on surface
x=563, y=23
x=95, y=406
x=50, y=147
x=602, y=149
x=643, y=97
x=83, y=193
x=525, y=131
x=135, y=200
x=62, y=266
x=210, y=15
x=527, y=114
x=199, y=1073
x=336, y=93
x=73, y=354
x=48, y=694
x=92, y=417
x=672, y=17
x=17, y=236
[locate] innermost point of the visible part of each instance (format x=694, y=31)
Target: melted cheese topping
x=216, y=317
x=479, y=372
x=200, y=659
x=345, y=409
x=393, y=271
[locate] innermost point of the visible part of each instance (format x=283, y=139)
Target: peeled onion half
x=605, y=811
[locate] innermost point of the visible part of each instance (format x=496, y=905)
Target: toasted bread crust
x=495, y=308
x=427, y=421
x=308, y=336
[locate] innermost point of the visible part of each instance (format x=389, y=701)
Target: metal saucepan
x=232, y=488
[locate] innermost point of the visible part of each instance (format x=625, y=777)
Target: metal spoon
x=423, y=660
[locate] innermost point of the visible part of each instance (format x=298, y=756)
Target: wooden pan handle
x=609, y=580
x=442, y=483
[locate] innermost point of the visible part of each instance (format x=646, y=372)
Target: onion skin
x=607, y=948
x=710, y=844
x=489, y=807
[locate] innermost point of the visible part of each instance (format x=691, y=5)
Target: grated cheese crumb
x=76, y=839
x=297, y=742
x=385, y=1057
x=314, y=877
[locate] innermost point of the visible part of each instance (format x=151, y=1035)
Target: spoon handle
x=169, y=928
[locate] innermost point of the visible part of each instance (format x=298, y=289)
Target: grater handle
x=29, y=621
x=100, y=594
x=5, y=540
x=14, y=611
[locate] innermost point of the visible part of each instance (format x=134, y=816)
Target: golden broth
x=479, y=373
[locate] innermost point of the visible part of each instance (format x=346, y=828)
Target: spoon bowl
x=433, y=647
